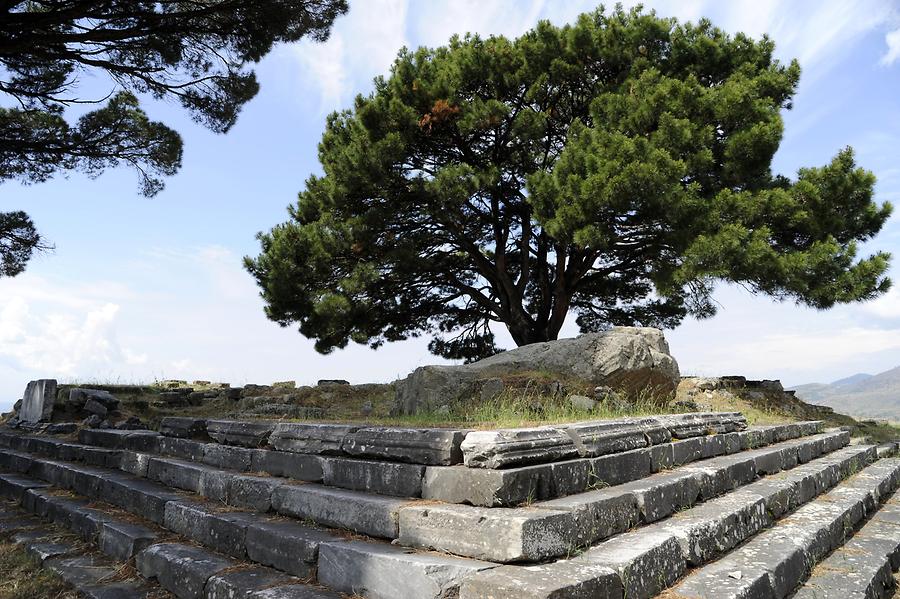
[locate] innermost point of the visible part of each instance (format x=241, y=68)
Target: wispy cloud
x=892, y=39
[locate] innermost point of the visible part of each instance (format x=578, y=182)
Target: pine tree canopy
x=615, y=168
x=197, y=53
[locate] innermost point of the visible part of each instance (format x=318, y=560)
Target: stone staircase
x=691, y=506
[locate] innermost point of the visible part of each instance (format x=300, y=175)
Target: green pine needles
x=615, y=168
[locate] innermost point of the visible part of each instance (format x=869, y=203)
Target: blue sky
x=142, y=289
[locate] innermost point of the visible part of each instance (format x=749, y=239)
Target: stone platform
x=698, y=505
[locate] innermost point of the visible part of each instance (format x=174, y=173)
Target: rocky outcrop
x=627, y=359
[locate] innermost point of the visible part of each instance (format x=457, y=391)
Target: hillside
x=870, y=396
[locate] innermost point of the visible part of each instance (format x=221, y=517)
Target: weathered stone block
x=379, y=571
x=620, y=468
x=432, y=447
x=299, y=437
x=646, y=564
x=138, y=496
x=124, y=540
x=373, y=515
x=572, y=580
x=517, y=447
x=664, y=493
x=222, y=531
x=225, y=456
x=598, y=514
x=487, y=488
x=286, y=545
x=181, y=569
x=185, y=449
x=245, y=434
x=290, y=465
x=252, y=492
x=383, y=478
x=37, y=401
x=243, y=583
x=603, y=437
x=183, y=427
x=501, y=535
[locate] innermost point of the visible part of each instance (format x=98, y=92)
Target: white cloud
x=362, y=45
x=892, y=39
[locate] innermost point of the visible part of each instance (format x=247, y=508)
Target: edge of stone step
x=451, y=484
x=645, y=561
x=864, y=565
x=779, y=560
x=552, y=529
x=255, y=537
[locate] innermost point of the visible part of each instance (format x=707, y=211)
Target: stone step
x=93, y=576
x=645, y=561
x=774, y=563
x=453, y=484
x=507, y=448
x=512, y=486
x=555, y=528
x=862, y=567
x=186, y=571
x=279, y=542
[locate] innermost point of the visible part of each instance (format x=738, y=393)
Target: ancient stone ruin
x=694, y=505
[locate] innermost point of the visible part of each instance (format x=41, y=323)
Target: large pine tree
x=615, y=168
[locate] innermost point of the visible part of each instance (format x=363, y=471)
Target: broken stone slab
x=38, y=400
x=383, y=478
x=381, y=571
x=683, y=426
x=286, y=545
x=123, y=540
x=373, y=515
x=182, y=427
x=81, y=571
x=300, y=437
x=517, y=447
x=289, y=465
x=646, y=564
x=181, y=569
x=243, y=583
x=42, y=551
x=604, y=437
x=235, y=432
x=567, y=579
x=432, y=447
x=502, y=535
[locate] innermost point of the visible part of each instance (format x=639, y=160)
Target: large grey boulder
x=37, y=402
x=630, y=359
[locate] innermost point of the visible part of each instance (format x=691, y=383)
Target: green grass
x=22, y=577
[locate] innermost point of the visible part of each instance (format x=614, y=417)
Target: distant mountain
x=865, y=395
